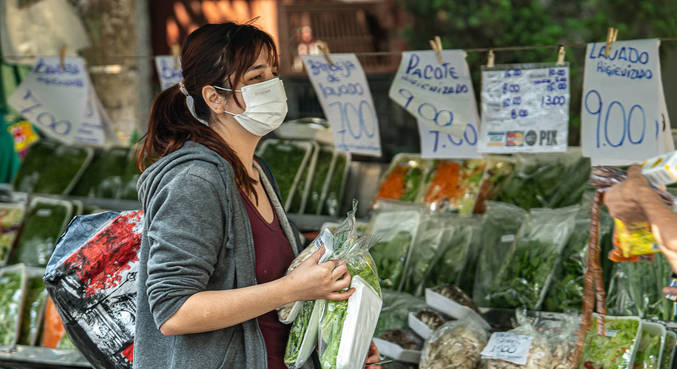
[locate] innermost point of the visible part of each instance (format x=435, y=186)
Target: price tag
x=525, y=108
x=510, y=347
x=441, y=145
x=167, y=74
x=345, y=97
x=623, y=115
x=440, y=96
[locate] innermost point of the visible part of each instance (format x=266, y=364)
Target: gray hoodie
x=196, y=237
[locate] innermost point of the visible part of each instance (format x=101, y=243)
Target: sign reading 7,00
x=356, y=121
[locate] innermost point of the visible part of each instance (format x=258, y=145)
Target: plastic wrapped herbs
x=404, y=179
x=527, y=272
x=396, y=307
x=317, y=187
x=650, y=346
x=44, y=223
x=11, y=215
x=105, y=176
x=612, y=351
x=51, y=167
x=337, y=180
x=429, y=246
x=287, y=160
x=12, y=295
x=34, y=305
x=453, y=185
x=455, y=345
x=300, y=197
x=303, y=334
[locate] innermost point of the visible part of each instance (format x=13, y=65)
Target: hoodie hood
x=189, y=154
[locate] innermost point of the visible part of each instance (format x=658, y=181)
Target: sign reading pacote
x=441, y=97
x=167, y=73
x=61, y=102
x=345, y=97
x=623, y=114
x=525, y=108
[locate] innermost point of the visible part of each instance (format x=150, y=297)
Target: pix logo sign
x=542, y=138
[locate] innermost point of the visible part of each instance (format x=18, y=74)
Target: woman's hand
x=623, y=199
x=312, y=281
x=372, y=357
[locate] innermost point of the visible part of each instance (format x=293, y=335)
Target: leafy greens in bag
x=36, y=298
x=650, y=347
x=524, y=278
x=11, y=215
x=613, y=351
x=396, y=308
x=12, y=294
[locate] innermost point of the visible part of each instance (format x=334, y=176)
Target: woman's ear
x=213, y=99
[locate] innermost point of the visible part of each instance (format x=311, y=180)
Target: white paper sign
x=623, y=107
x=345, y=97
x=509, y=347
x=525, y=108
x=91, y=130
x=442, y=145
x=440, y=96
x=168, y=75
x=55, y=99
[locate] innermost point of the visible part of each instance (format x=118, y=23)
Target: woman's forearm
x=211, y=310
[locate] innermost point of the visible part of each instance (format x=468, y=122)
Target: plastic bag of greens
x=566, y=291
x=34, y=307
x=669, y=351
x=103, y=177
x=458, y=259
x=429, y=246
x=396, y=233
x=347, y=327
x=332, y=197
x=303, y=334
x=52, y=167
x=635, y=289
x=453, y=185
x=396, y=308
x=403, y=180
x=12, y=296
x=319, y=184
x=524, y=278
x=44, y=223
x=302, y=188
x=11, y=215
x=455, y=345
x=650, y=346
x=499, y=227
x=616, y=349
x=498, y=171
x=537, y=352
x=287, y=160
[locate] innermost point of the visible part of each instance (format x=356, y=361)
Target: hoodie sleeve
x=185, y=235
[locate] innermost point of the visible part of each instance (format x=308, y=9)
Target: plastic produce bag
x=338, y=175
x=524, y=278
x=429, y=246
x=320, y=180
x=499, y=227
x=650, y=346
x=404, y=178
x=539, y=355
x=669, y=351
x=347, y=327
x=91, y=277
x=287, y=160
x=303, y=334
x=11, y=215
x=453, y=185
x=396, y=307
x=44, y=223
x=105, y=177
x=302, y=188
x=13, y=280
x=498, y=171
x=455, y=345
x=396, y=233
x=615, y=350
x=636, y=289
x=34, y=307
x=52, y=168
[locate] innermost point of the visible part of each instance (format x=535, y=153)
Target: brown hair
x=214, y=54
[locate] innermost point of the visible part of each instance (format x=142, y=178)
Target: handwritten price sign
x=525, y=108
x=441, y=97
x=346, y=100
x=623, y=114
x=167, y=73
x=509, y=347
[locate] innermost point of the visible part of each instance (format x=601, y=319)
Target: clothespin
x=610, y=38
x=436, y=45
x=490, y=59
x=176, y=52
x=62, y=57
x=560, y=55
x=324, y=49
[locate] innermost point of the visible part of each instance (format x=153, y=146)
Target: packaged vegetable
x=11, y=215
x=617, y=349
x=669, y=351
x=400, y=344
x=538, y=356
x=347, y=327
x=396, y=307
x=403, y=179
x=524, y=278
x=12, y=296
x=650, y=346
x=396, y=233
x=338, y=175
x=430, y=245
x=636, y=289
x=52, y=167
x=303, y=334
x=287, y=160
x=319, y=184
x=499, y=227
x=104, y=176
x=455, y=345
x=498, y=171
x=34, y=306
x=302, y=188
x=44, y=223
x=453, y=185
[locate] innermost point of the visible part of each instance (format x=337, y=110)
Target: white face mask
x=266, y=106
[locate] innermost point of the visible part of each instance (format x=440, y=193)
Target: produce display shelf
x=40, y=357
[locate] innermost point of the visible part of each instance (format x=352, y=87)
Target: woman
x=216, y=241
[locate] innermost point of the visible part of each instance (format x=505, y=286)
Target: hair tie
x=190, y=103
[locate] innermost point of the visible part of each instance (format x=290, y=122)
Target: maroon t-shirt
x=273, y=256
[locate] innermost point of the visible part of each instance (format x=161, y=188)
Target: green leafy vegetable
x=322, y=167
x=285, y=159
x=610, y=352
x=331, y=330
x=648, y=351
x=668, y=351
x=104, y=177
x=36, y=297
x=456, y=241
x=332, y=203
x=10, y=221
x=42, y=228
x=297, y=333
x=395, y=310
x=390, y=258
x=11, y=294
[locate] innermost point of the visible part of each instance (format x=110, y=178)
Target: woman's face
x=260, y=71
